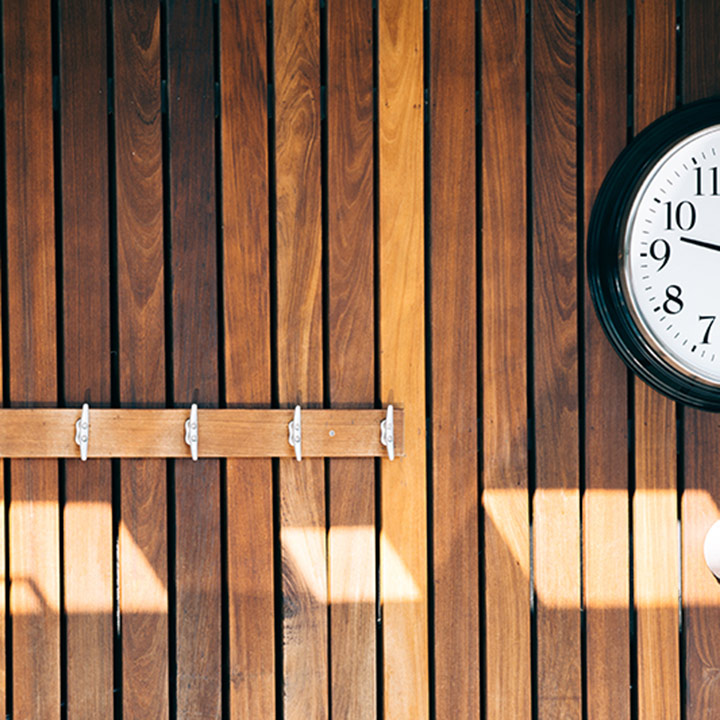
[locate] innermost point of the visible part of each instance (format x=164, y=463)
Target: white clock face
x=671, y=257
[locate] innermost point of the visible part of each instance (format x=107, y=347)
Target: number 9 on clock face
x=654, y=255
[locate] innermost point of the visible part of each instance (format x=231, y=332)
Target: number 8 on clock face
x=654, y=255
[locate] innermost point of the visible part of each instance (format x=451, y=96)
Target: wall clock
x=653, y=254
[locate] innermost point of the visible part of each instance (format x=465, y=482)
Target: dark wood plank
x=454, y=359
x=701, y=600
x=3, y=528
x=606, y=558
x=655, y=571
x=401, y=231
x=34, y=514
x=556, y=509
x=143, y=533
x=351, y=540
x=191, y=123
x=88, y=528
x=299, y=352
x=246, y=292
x=504, y=367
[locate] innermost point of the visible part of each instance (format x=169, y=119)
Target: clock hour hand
x=701, y=243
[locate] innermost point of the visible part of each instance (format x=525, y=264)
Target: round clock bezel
x=607, y=231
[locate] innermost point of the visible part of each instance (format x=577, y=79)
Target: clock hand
x=701, y=243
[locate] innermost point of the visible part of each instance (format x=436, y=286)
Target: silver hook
x=191, y=432
x=387, y=431
x=295, y=433
x=82, y=432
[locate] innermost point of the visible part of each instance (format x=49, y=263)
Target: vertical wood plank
x=351, y=539
x=143, y=538
x=246, y=293
x=504, y=366
x=88, y=530
x=402, y=358
x=556, y=507
x=34, y=513
x=3, y=529
x=606, y=502
x=299, y=352
x=701, y=599
x=655, y=571
x=456, y=621
x=191, y=125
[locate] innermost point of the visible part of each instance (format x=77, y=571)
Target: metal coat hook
x=82, y=432
x=295, y=433
x=387, y=432
x=191, y=432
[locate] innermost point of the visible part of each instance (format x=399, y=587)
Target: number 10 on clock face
x=671, y=256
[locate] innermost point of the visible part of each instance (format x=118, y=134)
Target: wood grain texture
x=606, y=543
x=402, y=356
x=88, y=528
x=33, y=530
x=138, y=153
x=233, y=432
x=191, y=124
x=655, y=571
x=3, y=527
x=556, y=507
x=504, y=362
x=246, y=292
x=453, y=312
x=299, y=352
x=351, y=367
x=701, y=599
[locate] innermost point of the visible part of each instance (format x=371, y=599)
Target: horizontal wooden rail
x=232, y=433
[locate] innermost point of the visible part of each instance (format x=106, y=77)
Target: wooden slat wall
x=31, y=353
x=251, y=661
x=453, y=309
x=261, y=203
x=504, y=378
x=654, y=502
x=352, y=584
x=88, y=516
x=143, y=537
x=193, y=225
x=556, y=501
x=606, y=558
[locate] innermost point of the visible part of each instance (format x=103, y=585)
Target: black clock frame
x=606, y=234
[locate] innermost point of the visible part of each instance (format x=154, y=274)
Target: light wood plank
x=222, y=433
x=504, y=365
x=191, y=124
x=3, y=529
x=556, y=503
x=606, y=543
x=655, y=571
x=402, y=353
x=351, y=377
x=299, y=352
x=34, y=513
x=701, y=598
x=88, y=528
x=453, y=193
x=138, y=153
x=246, y=288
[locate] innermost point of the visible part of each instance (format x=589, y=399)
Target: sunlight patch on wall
x=302, y=547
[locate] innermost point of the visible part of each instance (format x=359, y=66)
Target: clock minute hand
x=701, y=243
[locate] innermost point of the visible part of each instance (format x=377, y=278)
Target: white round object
x=711, y=549
x=671, y=256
